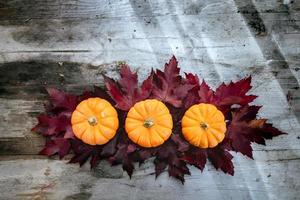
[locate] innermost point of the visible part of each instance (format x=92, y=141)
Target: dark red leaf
x=95, y=159
x=58, y=145
x=59, y=99
x=126, y=92
x=69, y=134
x=168, y=155
x=192, y=79
x=234, y=93
x=196, y=157
x=50, y=149
x=82, y=152
x=245, y=128
x=180, y=142
x=206, y=94
x=49, y=126
x=169, y=85
x=221, y=159
x=160, y=167
x=110, y=148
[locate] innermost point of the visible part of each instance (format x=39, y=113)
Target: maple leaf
x=57, y=145
x=61, y=101
x=168, y=156
x=244, y=129
x=196, y=157
x=218, y=156
x=225, y=96
x=126, y=92
x=221, y=159
x=53, y=125
x=124, y=153
x=233, y=93
x=81, y=151
x=169, y=86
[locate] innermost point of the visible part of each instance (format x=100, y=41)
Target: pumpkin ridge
x=193, y=116
x=81, y=112
x=100, y=124
x=133, y=113
x=84, y=132
x=138, y=111
x=150, y=142
x=147, y=107
x=162, y=125
x=192, y=119
x=134, y=127
x=93, y=135
x=213, y=134
x=155, y=107
x=79, y=122
x=213, y=114
x=87, y=107
x=107, y=124
x=85, y=128
x=158, y=134
x=103, y=110
x=197, y=138
x=137, y=140
x=134, y=118
x=100, y=136
x=205, y=139
x=161, y=133
x=160, y=115
x=101, y=132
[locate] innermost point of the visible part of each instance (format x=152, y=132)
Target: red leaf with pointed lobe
x=234, y=93
x=61, y=100
x=221, y=159
x=60, y=146
x=169, y=86
x=225, y=95
x=51, y=125
x=168, y=156
x=126, y=92
x=196, y=157
x=245, y=129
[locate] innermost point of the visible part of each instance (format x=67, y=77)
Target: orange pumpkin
x=149, y=123
x=95, y=121
x=203, y=125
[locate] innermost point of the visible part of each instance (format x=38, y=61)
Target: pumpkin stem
x=93, y=121
x=148, y=123
x=204, y=125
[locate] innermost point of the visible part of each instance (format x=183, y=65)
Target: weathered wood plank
x=37, y=9
x=56, y=180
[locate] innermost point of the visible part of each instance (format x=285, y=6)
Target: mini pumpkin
x=94, y=121
x=203, y=125
x=149, y=123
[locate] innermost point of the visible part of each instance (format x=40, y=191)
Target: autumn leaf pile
x=178, y=93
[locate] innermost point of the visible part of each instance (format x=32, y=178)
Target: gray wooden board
x=68, y=44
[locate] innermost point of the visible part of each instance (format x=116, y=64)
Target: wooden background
x=67, y=43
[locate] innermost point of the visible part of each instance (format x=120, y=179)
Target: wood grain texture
x=56, y=180
x=68, y=44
